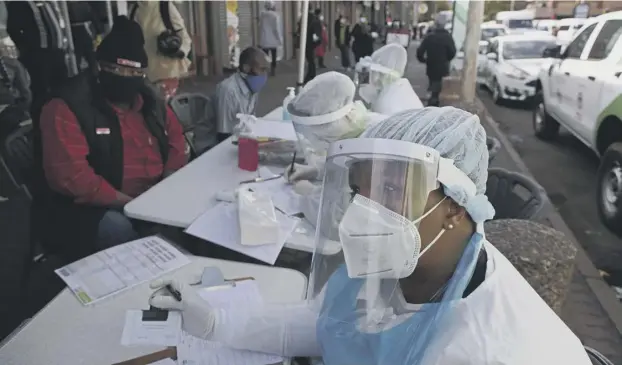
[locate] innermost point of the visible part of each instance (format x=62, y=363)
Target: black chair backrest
x=192, y=109
x=18, y=154
x=596, y=357
x=514, y=195
x=493, y=147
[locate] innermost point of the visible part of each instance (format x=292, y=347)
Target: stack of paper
x=119, y=268
x=262, y=128
x=220, y=225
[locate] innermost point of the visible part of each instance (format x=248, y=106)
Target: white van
x=516, y=21
x=566, y=28
x=581, y=90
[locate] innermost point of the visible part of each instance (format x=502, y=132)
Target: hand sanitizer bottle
x=291, y=94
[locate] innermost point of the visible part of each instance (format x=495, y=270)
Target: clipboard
x=212, y=278
x=168, y=353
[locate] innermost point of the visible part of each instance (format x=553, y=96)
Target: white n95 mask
x=380, y=243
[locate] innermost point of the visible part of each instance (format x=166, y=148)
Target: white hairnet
x=324, y=94
x=392, y=56
x=455, y=134
x=328, y=98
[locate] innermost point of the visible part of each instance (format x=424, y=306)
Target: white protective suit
x=502, y=322
x=388, y=92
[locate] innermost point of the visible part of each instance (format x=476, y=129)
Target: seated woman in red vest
x=104, y=143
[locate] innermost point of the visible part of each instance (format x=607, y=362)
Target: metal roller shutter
x=245, y=25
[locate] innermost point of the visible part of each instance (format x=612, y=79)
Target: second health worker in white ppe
x=323, y=112
x=387, y=91
x=415, y=282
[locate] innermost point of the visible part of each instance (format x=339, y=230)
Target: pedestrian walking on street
x=342, y=39
x=436, y=50
x=270, y=33
x=363, y=44
x=320, y=51
x=314, y=39
x=167, y=43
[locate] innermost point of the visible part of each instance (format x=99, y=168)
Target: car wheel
x=496, y=93
x=609, y=193
x=544, y=126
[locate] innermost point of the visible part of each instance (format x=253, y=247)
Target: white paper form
x=157, y=333
x=194, y=351
x=119, y=268
x=273, y=129
x=221, y=225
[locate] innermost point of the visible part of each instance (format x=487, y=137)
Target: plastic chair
x=493, y=147
x=194, y=110
x=596, y=357
x=17, y=158
x=514, y=195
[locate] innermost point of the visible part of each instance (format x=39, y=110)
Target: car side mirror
x=492, y=56
x=552, y=52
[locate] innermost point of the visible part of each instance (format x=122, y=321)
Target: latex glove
x=301, y=172
x=197, y=316
x=305, y=187
x=374, y=35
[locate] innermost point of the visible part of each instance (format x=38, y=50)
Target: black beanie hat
x=124, y=44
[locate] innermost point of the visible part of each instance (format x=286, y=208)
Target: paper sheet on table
x=121, y=267
x=195, y=351
x=273, y=129
x=157, y=333
x=221, y=225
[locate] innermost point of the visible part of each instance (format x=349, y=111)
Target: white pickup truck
x=581, y=89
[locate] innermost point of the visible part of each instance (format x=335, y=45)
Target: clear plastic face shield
x=316, y=133
x=370, y=79
x=374, y=197
x=376, y=193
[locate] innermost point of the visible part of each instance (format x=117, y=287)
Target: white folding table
x=65, y=332
x=180, y=198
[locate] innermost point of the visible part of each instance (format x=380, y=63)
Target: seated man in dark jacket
x=436, y=50
x=104, y=144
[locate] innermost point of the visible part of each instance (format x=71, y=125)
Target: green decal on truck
x=614, y=108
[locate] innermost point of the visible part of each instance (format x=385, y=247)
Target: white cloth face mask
x=380, y=243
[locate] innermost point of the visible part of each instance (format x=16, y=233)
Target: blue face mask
x=256, y=82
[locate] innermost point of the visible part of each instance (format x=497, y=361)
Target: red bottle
x=248, y=154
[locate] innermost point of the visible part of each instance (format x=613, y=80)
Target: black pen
x=176, y=294
x=291, y=169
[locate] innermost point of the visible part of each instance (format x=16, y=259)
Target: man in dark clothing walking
x=363, y=44
x=342, y=40
x=314, y=38
x=436, y=50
